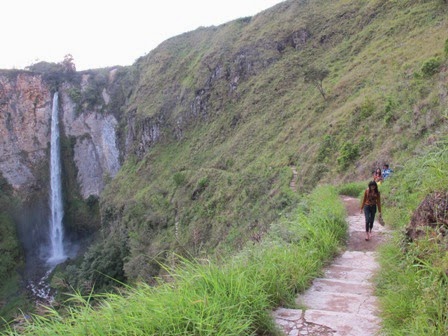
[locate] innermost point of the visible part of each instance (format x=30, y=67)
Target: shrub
x=389, y=116
x=412, y=281
x=431, y=66
x=367, y=108
x=179, y=179
x=353, y=189
x=75, y=95
x=365, y=144
x=326, y=148
x=10, y=247
x=348, y=153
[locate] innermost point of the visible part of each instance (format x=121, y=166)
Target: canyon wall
x=25, y=116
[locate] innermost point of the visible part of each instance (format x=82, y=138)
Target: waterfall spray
x=57, y=254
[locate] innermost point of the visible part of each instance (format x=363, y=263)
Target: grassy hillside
x=221, y=113
x=206, y=297
x=412, y=282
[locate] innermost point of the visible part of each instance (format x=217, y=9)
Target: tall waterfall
x=56, y=235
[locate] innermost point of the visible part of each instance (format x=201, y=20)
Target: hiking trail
x=342, y=303
x=293, y=182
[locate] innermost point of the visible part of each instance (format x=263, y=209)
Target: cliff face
x=25, y=112
x=96, y=154
x=25, y=116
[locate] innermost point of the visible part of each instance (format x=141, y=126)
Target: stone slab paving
x=342, y=302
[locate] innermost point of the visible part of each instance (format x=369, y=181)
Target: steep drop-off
x=89, y=114
x=207, y=125
x=219, y=114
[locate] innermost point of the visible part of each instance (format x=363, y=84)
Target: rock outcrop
x=96, y=153
x=25, y=116
x=25, y=112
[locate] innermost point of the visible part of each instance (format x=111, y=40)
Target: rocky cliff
x=25, y=113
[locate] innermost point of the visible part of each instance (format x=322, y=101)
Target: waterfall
x=56, y=234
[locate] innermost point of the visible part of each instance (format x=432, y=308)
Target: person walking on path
x=371, y=201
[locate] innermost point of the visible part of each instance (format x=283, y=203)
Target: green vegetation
x=431, y=66
x=413, y=278
x=214, y=118
x=316, y=77
x=446, y=48
x=11, y=257
x=233, y=112
x=211, y=122
x=354, y=189
x=81, y=216
x=208, y=298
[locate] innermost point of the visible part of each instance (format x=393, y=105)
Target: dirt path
x=342, y=302
x=293, y=183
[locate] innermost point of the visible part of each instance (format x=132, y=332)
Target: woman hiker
x=371, y=200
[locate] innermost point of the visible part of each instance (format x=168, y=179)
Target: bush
x=326, y=148
x=353, y=189
x=179, y=179
x=389, y=115
x=348, y=153
x=367, y=108
x=431, y=67
x=9, y=246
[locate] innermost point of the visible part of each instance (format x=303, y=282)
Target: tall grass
x=413, y=280
x=354, y=189
x=204, y=298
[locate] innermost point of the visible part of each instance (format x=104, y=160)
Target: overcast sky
x=99, y=33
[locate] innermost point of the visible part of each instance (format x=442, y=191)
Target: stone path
x=341, y=303
x=293, y=182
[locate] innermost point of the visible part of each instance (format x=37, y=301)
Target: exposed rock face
x=25, y=112
x=96, y=151
x=25, y=116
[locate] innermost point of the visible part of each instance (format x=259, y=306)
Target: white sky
x=99, y=33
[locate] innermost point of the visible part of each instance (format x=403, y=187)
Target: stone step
x=341, y=286
x=347, y=273
x=337, y=302
x=341, y=303
x=296, y=322
x=357, y=259
x=345, y=324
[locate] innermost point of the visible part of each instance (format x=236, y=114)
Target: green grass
x=354, y=189
x=219, y=176
x=234, y=112
x=203, y=297
x=413, y=279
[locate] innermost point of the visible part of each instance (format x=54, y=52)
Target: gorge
x=188, y=151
